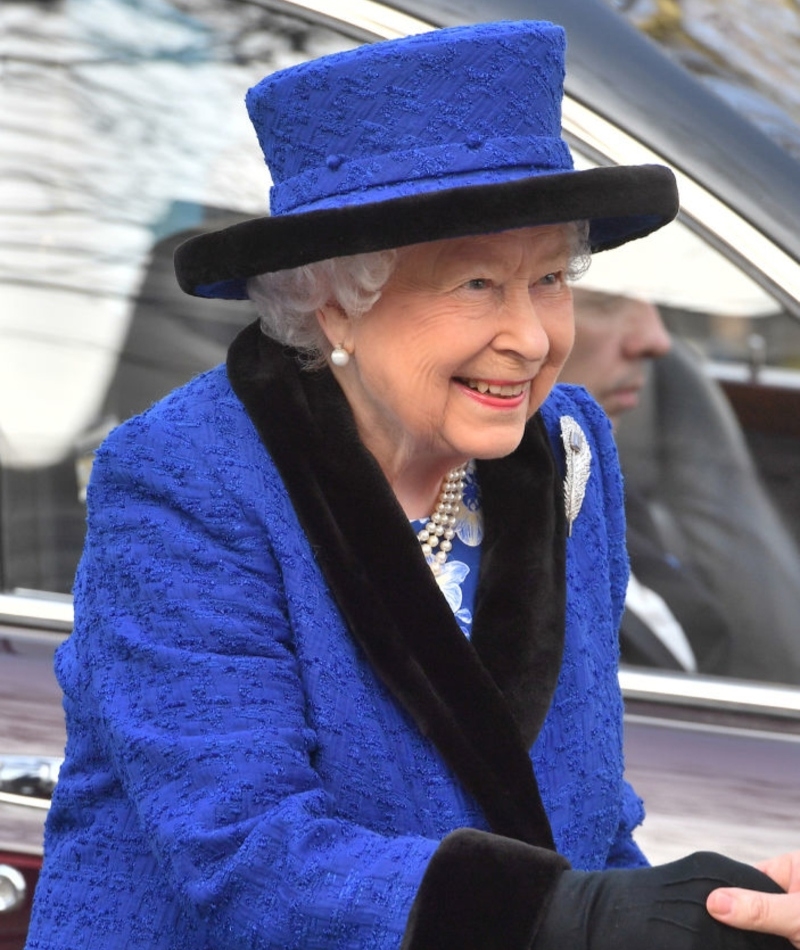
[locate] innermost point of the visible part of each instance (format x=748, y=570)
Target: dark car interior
x=685, y=452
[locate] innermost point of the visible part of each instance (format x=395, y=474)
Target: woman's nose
x=522, y=330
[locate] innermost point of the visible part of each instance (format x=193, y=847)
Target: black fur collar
x=482, y=702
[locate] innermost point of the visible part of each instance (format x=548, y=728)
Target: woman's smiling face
x=463, y=346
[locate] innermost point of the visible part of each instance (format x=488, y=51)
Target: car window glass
x=124, y=132
x=710, y=454
x=123, y=127
x=703, y=294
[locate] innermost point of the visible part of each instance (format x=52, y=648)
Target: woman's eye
x=478, y=283
x=554, y=281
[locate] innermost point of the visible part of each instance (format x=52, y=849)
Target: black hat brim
x=620, y=202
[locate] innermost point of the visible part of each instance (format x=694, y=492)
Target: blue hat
x=444, y=134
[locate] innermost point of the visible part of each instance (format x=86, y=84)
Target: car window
x=123, y=127
x=705, y=295
x=125, y=132
x=711, y=453
x=746, y=334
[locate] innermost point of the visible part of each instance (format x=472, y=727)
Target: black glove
x=658, y=908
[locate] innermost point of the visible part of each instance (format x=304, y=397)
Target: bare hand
x=767, y=913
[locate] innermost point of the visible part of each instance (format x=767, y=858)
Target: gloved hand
x=658, y=908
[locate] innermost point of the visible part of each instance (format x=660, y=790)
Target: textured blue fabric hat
x=442, y=134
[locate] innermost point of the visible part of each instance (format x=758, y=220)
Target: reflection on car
x=105, y=174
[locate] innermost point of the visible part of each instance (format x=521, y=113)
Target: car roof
x=621, y=73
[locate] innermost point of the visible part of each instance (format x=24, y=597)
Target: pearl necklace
x=440, y=529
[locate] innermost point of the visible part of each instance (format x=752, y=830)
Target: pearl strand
x=440, y=529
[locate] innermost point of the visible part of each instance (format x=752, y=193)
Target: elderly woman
x=343, y=672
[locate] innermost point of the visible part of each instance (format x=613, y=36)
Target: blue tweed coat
x=277, y=734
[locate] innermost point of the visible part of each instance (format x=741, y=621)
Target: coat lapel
x=481, y=702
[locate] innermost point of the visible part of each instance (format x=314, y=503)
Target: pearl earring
x=340, y=356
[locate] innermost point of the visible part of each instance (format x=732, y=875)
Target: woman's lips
x=496, y=393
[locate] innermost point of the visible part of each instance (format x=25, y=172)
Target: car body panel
x=708, y=786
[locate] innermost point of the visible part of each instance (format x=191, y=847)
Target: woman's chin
x=493, y=445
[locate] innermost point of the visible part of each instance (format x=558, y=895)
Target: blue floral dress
x=458, y=577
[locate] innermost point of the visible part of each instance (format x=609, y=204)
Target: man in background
x=672, y=619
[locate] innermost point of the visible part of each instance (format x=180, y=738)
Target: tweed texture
x=236, y=775
x=460, y=106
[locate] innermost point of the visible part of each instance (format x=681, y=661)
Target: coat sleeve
x=624, y=851
x=610, y=537
x=482, y=892
x=192, y=681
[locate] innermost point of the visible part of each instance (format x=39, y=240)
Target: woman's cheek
x=542, y=384
x=561, y=342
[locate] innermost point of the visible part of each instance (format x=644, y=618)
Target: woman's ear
x=335, y=324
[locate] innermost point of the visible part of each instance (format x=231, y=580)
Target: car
x=125, y=132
